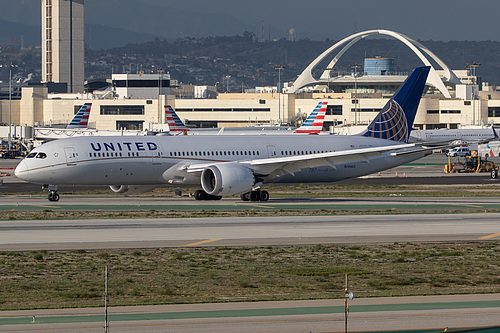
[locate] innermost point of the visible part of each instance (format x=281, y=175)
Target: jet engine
x=227, y=179
x=131, y=189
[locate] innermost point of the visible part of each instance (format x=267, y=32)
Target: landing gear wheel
x=202, y=195
x=264, y=195
x=245, y=196
x=494, y=174
x=254, y=196
x=53, y=196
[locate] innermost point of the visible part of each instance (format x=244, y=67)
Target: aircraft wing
x=279, y=166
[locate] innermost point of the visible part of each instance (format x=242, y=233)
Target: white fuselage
x=442, y=136
x=153, y=160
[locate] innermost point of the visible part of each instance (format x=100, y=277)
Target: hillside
x=208, y=60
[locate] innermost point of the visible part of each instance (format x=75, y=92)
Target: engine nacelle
x=227, y=179
x=131, y=189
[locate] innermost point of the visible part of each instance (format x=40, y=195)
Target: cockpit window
x=41, y=155
x=31, y=155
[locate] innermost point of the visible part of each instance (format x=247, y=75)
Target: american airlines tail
x=174, y=123
x=81, y=119
x=314, y=123
x=395, y=121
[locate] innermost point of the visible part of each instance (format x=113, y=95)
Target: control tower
x=63, y=43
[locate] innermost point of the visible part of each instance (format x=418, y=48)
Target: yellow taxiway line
x=490, y=236
x=203, y=242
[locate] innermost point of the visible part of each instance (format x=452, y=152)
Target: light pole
x=355, y=66
x=227, y=82
x=279, y=68
x=329, y=69
x=472, y=67
x=10, y=112
x=348, y=295
x=160, y=108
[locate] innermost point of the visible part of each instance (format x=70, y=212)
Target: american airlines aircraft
x=81, y=119
x=231, y=165
x=312, y=125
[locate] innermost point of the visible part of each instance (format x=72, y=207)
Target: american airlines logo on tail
x=314, y=123
x=174, y=123
x=81, y=119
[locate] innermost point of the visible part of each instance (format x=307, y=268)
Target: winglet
x=175, y=123
x=314, y=123
x=395, y=121
x=81, y=119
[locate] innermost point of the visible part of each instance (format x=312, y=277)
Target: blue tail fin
x=395, y=121
x=81, y=119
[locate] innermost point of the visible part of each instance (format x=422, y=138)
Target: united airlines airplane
x=231, y=165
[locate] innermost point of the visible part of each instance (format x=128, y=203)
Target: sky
x=423, y=19
x=440, y=20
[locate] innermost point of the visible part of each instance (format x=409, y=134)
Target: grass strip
x=60, y=279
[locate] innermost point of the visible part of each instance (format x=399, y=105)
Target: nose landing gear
x=53, y=195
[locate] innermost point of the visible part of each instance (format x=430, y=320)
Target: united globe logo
x=390, y=124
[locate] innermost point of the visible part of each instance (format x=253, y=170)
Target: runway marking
x=219, y=322
x=474, y=206
x=204, y=242
x=490, y=236
x=260, y=206
x=42, y=206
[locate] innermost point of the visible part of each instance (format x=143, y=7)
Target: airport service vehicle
x=472, y=163
x=231, y=165
x=459, y=151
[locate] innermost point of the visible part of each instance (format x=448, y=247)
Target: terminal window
x=77, y=108
x=122, y=110
x=494, y=111
x=129, y=125
x=334, y=110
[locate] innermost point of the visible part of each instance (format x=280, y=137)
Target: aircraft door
x=271, y=151
x=70, y=155
x=156, y=157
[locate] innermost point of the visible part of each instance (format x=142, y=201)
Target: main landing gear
x=256, y=195
x=53, y=195
x=202, y=195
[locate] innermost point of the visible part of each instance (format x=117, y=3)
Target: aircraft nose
x=22, y=171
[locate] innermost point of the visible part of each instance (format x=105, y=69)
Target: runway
x=245, y=231
x=380, y=314
x=394, y=314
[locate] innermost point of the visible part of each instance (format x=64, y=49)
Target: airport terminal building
x=453, y=99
